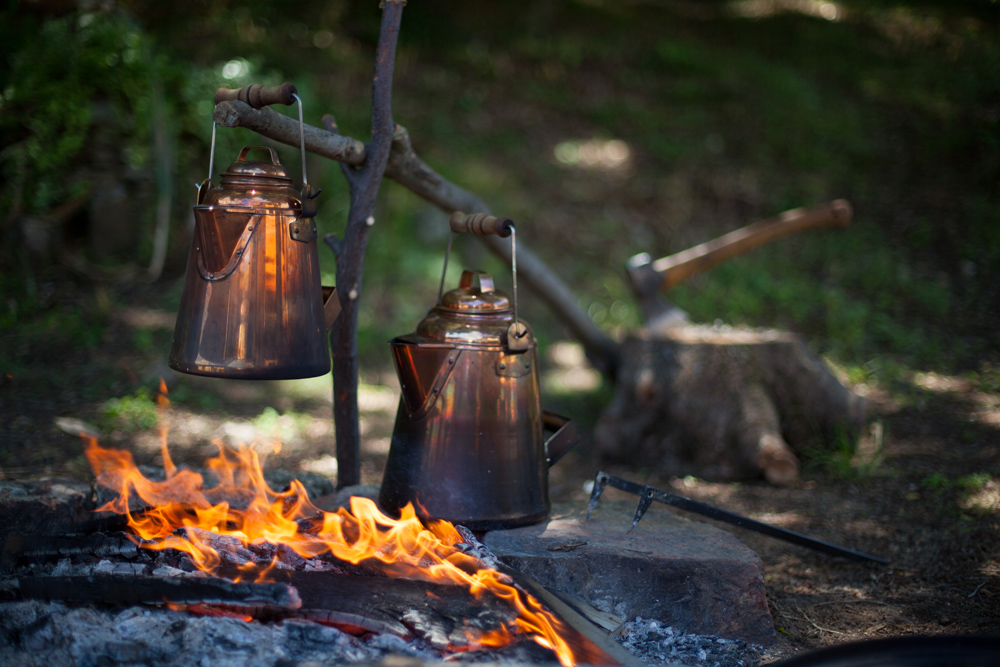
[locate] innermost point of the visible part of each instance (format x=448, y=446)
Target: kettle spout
x=423, y=370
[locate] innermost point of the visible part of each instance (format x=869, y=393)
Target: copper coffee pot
x=252, y=306
x=468, y=445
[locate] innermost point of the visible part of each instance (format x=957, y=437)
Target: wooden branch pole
x=364, y=184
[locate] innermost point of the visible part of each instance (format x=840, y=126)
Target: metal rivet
x=211, y=275
x=503, y=366
x=296, y=230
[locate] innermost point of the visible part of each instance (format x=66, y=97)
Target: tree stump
x=723, y=404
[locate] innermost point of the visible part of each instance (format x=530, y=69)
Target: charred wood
x=34, y=548
x=49, y=506
x=590, y=642
x=256, y=599
x=440, y=614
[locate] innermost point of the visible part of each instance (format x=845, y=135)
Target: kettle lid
x=247, y=171
x=483, y=299
x=476, y=315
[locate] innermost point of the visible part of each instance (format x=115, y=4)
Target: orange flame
x=199, y=521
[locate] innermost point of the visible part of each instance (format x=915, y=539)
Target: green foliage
x=965, y=485
x=818, y=286
x=71, y=327
x=847, y=457
x=56, y=76
x=891, y=107
x=283, y=427
x=200, y=399
x=135, y=412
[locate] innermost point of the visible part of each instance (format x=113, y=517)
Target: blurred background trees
x=603, y=128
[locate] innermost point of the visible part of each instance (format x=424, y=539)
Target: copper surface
x=252, y=306
x=468, y=444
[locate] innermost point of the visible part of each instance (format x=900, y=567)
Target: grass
x=850, y=458
x=135, y=412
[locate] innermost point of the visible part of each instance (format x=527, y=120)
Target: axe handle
x=677, y=268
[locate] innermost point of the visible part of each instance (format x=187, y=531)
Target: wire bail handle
x=482, y=224
x=258, y=96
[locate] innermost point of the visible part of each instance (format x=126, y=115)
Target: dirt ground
x=926, y=507
x=922, y=492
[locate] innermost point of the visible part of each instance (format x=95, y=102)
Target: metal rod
x=302, y=139
x=211, y=152
x=444, y=270
x=648, y=494
x=605, y=650
x=513, y=268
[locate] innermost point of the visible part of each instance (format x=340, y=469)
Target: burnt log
x=47, y=506
x=36, y=548
x=724, y=404
x=257, y=600
x=440, y=614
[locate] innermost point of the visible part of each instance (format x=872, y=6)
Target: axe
x=648, y=277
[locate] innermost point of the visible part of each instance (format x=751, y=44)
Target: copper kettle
x=468, y=444
x=252, y=307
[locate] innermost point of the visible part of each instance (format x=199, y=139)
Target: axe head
x=658, y=314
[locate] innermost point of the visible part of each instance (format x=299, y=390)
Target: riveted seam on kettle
x=437, y=387
x=235, y=258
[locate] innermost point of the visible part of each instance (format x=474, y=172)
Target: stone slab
x=690, y=575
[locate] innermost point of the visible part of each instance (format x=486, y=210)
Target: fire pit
x=229, y=564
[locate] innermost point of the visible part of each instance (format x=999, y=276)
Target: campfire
x=243, y=529
x=229, y=553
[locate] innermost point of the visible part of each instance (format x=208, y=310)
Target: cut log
x=724, y=404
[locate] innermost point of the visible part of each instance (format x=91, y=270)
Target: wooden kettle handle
x=257, y=95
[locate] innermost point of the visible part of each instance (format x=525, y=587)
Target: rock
x=685, y=574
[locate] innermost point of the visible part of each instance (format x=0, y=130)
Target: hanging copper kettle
x=252, y=307
x=468, y=444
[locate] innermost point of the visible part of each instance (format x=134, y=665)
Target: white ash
x=656, y=644
x=67, y=568
x=476, y=549
x=40, y=634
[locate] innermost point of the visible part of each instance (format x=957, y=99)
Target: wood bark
x=364, y=184
x=724, y=405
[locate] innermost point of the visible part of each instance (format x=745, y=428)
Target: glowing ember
x=186, y=516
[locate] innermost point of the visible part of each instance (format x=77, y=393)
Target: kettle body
x=252, y=306
x=468, y=444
